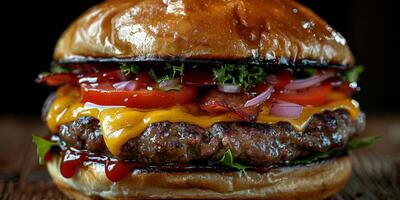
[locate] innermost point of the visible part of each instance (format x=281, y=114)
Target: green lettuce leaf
x=352, y=75
x=227, y=160
x=355, y=143
x=315, y=157
x=43, y=146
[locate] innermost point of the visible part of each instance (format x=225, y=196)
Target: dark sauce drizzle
x=72, y=159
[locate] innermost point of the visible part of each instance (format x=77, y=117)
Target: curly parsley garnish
x=59, y=69
x=245, y=76
x=310, y=71
x=55, y=69
x=171, y=72
x=127, y=69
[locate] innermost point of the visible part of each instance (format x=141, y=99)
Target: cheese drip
x=119, y=124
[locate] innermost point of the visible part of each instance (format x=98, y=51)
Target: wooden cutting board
x=376, y=173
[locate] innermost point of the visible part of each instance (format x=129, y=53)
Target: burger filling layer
x=251, y=143
x=159, y=114
x=120, y=124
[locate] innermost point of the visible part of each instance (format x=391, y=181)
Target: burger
x=200, y=99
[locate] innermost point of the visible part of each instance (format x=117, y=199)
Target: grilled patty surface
x=251, y=144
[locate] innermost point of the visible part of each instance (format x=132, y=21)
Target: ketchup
x=70, y=162
x=48, y=156
x=116, y=170
x=72, y=159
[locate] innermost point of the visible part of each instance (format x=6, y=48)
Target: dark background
x=31, y=29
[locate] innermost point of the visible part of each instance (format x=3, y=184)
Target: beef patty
x=251, y=144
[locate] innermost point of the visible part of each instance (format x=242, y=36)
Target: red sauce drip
x=48, y=156
x=116, y=170
x=70, y=162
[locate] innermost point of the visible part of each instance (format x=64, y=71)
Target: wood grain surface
x=375, y=169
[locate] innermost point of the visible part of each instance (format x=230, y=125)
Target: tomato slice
x=95, y=77
x=281, y=79
x=102, y=76
x=346, y=89
x=261, y=87
x=315, y=96
x=106, y=94
x=58, y=79
x=143, y=79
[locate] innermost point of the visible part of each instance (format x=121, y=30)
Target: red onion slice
x=169, y=83
x=125, y=85
x=174, y=84
x=308, y=82
x=260, y=98
x=230, y=88
x=286, y=109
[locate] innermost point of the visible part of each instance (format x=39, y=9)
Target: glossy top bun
x=260, y=31
x=315, y=181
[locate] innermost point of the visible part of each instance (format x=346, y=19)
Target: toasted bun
x=315, y=181
x=267, y=31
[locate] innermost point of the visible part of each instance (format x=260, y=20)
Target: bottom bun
x=315, y=181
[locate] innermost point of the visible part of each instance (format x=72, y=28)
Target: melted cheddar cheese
x=119, y=124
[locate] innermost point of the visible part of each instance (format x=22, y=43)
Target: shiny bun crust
x=270, y=31
x=315, y=181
